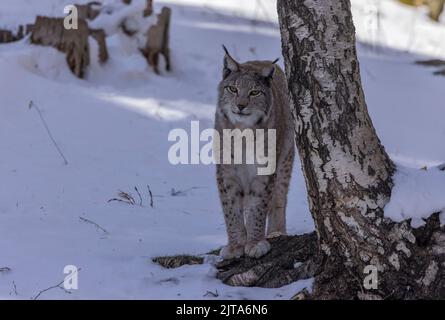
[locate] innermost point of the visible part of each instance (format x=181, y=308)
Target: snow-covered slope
x=113, y=129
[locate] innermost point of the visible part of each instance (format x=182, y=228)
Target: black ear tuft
x=230, y=64
x=225, y=50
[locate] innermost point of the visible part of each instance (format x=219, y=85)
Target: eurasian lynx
x=254, y=95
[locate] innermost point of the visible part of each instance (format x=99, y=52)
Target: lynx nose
x=241, y=106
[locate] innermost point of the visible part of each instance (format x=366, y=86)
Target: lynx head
x=245, y=95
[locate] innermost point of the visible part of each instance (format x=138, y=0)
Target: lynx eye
x=232, y=89
x=255, y=93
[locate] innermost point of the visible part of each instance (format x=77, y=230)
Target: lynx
x=253, y=95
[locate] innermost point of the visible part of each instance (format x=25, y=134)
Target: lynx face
x=245, y=95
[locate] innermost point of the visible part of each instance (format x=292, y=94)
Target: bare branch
x=151, y=196
x=32, y=104
x=5, y=269
x=59, y=285
x=95, y=224
x=139, y=194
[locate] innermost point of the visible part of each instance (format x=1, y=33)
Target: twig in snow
x=124, y=197
x=95, y=224
x=139, y=194
x=151, y=196
x=118, y=200
x=59, y=285
x=5, y=269
x=32, y=104
x=50, y=288
x=15, y=288
x=175, y=193
x=213, y=294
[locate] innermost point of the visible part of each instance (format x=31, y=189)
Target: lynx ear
x=268, y=71
x=230, y=65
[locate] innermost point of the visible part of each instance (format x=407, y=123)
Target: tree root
x=291, y=258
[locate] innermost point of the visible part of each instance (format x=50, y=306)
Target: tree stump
x=87, y=11
x=9, y=36
x=6, y=36
x=74, y=43
x=158, y=41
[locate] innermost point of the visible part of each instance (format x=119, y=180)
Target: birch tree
x=348, y=174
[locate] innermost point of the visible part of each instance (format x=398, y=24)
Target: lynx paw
x=231, y=252
x=257, y=250
x=275, y=234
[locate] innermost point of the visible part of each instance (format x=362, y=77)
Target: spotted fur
x=248, y=199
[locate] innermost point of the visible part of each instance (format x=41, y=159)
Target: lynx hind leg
x=276, y=218
x=231, y=199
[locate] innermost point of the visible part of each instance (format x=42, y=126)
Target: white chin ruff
x=245, y=121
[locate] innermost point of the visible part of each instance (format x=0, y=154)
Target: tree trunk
x=346, y=169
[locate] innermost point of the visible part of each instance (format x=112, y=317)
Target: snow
x=417, y=194
x=113, y=129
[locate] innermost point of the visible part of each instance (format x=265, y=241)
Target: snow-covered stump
x=73, y=42
x=158, y=41
x=347, y=171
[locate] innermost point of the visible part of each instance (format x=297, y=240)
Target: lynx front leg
x=257, y=206
x=231, y=197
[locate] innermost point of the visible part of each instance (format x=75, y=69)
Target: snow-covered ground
x=113, y=129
